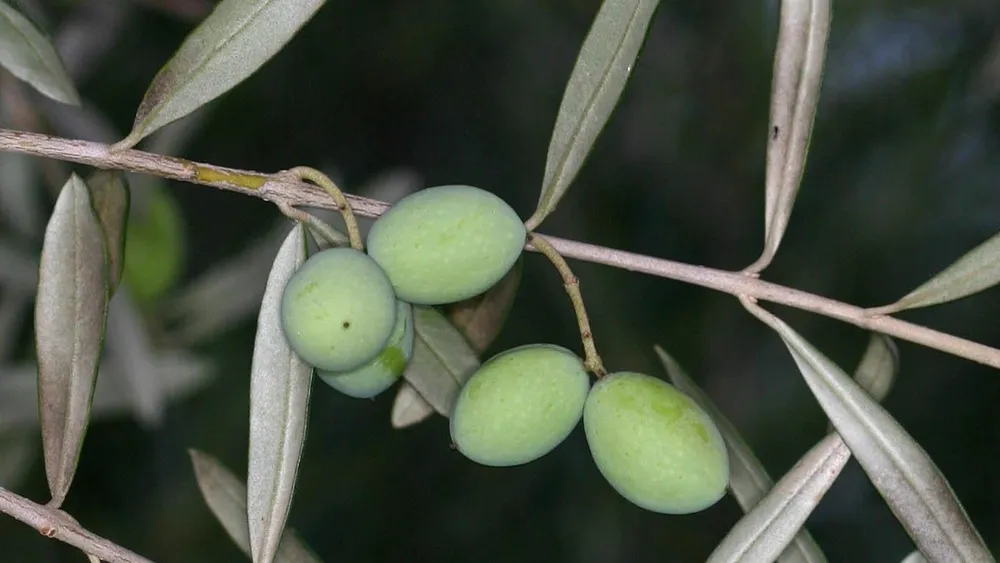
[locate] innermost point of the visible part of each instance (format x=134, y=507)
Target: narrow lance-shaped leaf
x=180, y=374
x=226, y=497
x=878, y=368
x=442, y=359
x=977, y=270
x=131, y=350
x=28, y=55
x=773, y=522
x=748, y=480
x=915, y=557
x=900, y=469
x=598, y=78
x=279, y=402
x=71, y=310
x=795, y=87
x=409, y=407
x=231, y=44
x=110, y=196
x=481, y=318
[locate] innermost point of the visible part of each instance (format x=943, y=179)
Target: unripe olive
x=519, y=405
x=379, y=374
x=445, y=244
x=655, y=446
x=338, y=310
x=155, y=249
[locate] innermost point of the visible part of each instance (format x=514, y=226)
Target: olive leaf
x=229, y=45
x=180, y=374
x=28, y=55
x=879, y=366
x=977, y=270
x=795, y=88
x=912, y=485
x=481, y=318
x=226, y=497
x=228, y=292
x=409, y=407
x=773, y=523
x=71, y=310
x=598, y=78
x=131, y=350
x=110, y=196
x=442, y=359
x=749, y=482
x=280, y=383
x=915, y=557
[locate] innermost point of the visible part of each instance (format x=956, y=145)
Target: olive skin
x=446, y=244
x=519, y=405
x=338, y=310
x=379, y=374
x=654, y=444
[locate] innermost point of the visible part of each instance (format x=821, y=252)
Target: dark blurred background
x=902, y=179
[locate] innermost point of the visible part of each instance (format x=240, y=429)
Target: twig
x=277, y=190
x=592, y=359
x=54, y=523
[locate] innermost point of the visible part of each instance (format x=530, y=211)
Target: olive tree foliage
x=95, y=357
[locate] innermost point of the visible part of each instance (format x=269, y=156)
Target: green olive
x=379, y=374
x=338, y=310
x=654, y=445
x=447, y=243
x=155, y=247
x=519, y=405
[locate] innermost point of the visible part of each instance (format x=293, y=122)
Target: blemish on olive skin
x=346, y=325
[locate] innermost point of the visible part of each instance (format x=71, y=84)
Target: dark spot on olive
x=346, y=325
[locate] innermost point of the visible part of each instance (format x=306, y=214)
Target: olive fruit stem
x=317, y=226
x=324, y=181
x=592, y=360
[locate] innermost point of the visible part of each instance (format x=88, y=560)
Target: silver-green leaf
x=795, y=86
x=977, y=270
x=481, y=318
x=179, y=372
x=231, y=44
x=28, y=55
x=409, y=407
x=442, y=359
x=772, y=524
x=915, y=557
x=131, y=350
x=226, y=497
x=110, y=196
x=748, y=480
x=598, y=78
x=71, y=310
x=879, y=366
x=900, y=469
x=279, y=403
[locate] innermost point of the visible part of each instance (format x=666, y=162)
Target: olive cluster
x=349, y=314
